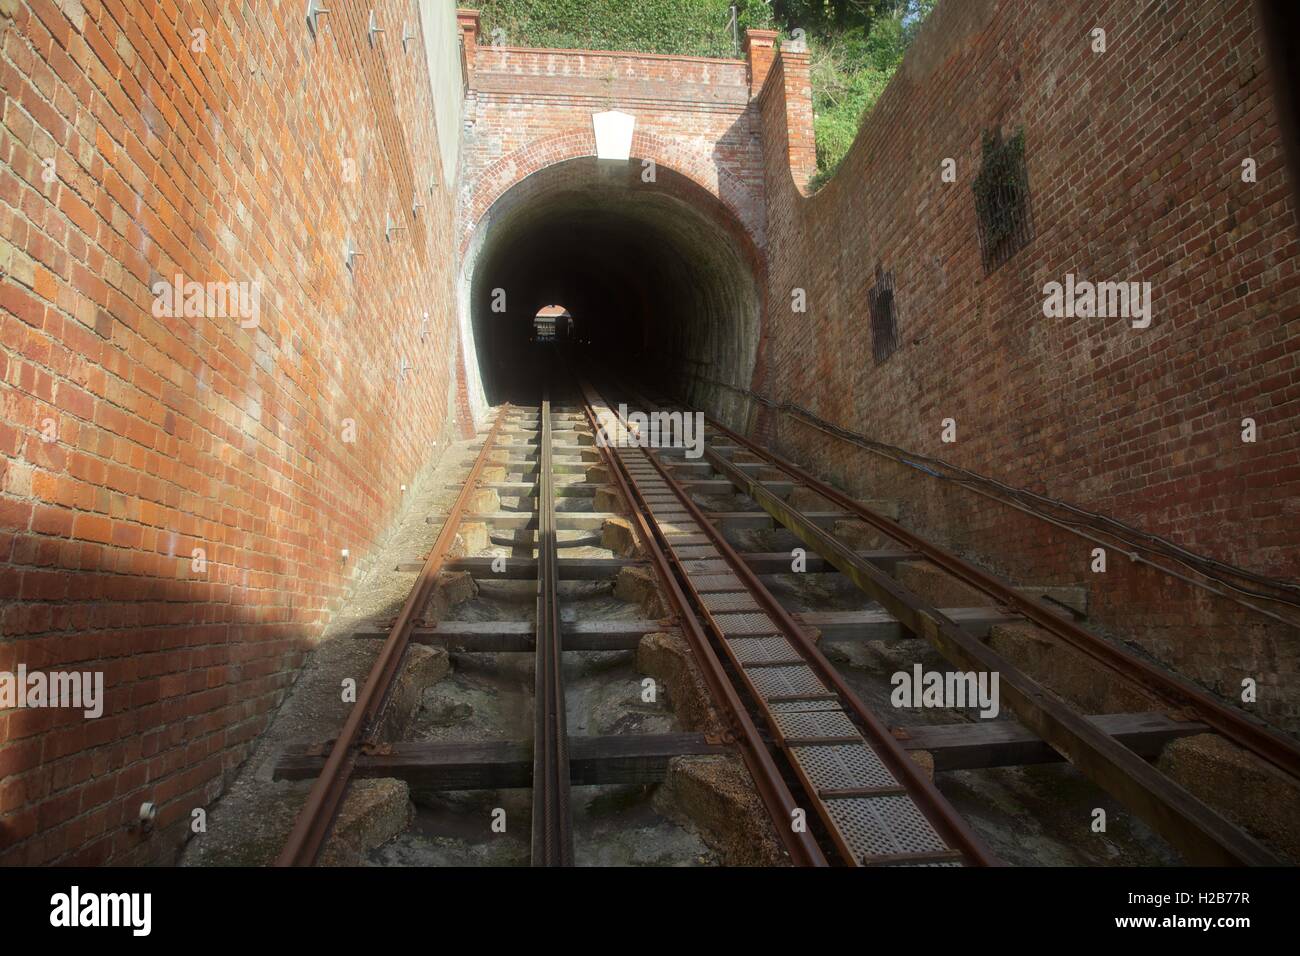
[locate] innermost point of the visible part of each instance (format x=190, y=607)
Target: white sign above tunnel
x=613, y=134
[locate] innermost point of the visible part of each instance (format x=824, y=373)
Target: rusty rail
x=1242, y=729
x=552, y=837
x=316, y=818
x=768, y=780
x=1201, y=832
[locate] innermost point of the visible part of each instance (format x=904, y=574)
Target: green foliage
x=820, y=16
x=847, y=79
x=997, y=186
x=850, y=67
x=683, y=27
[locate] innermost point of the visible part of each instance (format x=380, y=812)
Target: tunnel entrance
x=661, y=280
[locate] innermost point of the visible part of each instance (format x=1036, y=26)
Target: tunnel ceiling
x=659, y=277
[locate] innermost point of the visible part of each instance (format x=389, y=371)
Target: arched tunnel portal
x=662, y=279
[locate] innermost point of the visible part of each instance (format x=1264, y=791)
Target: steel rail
x=936, y=808
x=768, y=781
x=1242, y=729
x=1201, y=832
x=552, y=837
x=316, y=818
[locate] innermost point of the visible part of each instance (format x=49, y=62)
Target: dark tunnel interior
x=660, y=278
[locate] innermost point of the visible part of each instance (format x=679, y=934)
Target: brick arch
x=579, y=142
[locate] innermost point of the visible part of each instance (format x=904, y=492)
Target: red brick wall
x=528, y=109
x=1134, y=164
x=183, y=433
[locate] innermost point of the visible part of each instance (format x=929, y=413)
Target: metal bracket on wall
x=373, y=28
x=350, y=253
x=407, y=36
x=314, y=10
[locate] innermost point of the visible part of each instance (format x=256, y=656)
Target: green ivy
x=681, y=27
x=998, y=185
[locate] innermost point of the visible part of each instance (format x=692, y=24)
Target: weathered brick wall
x=528, y=109
x=230, y=162
x=1134, y=163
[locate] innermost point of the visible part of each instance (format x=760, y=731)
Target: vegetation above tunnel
x=854, y=45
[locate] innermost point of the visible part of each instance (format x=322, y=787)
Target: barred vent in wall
x=884, y=321
x=1002, y=199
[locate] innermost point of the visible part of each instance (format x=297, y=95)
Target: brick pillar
x=760, y=48
x=800, y=143
x=468, y=21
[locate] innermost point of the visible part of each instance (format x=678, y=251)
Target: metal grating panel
x=744, y=624
x=730, y=601
x=821, y=723
x=801, y=706
x=879, y=826
x=786, y=681
x=705, y=567
x=756, y=650
x=680, y=527
x=680, y=539
x=837, y=766
x=912, y=866
x=693, y=552
x=707, y=583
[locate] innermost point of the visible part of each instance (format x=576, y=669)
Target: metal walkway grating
x=858, y=798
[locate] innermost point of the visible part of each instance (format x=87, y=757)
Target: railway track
x=1201, y=833
x=839, y=787
x=552, y=838
x=316, y=818
x=873, y=801
x=529, y=438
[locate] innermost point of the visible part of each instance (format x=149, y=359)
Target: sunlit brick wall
x=220, y=142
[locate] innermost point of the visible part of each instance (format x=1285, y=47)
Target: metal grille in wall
x=1002, y=199
x=884, y=322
